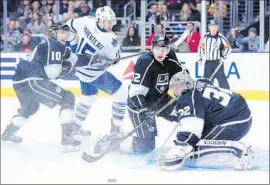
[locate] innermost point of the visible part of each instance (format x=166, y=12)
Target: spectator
x=35, y=9
x=233, y=38
x=158, y=30
x=151, y=15
x=70, y=14
x=196, y=13
x=132, y=39
x=46, y=7
x=18, y=27
x=193, y=38
x=182, y=47
x=173, y=5
x=13, y=37
x=184, y=14
x=214, y=9
x=25, y=43
x=85, y=10
x=164, y=14
x=36, y=26
x=53, y=15
x=252, y=41
x=64, y=6
x=34, y=40
x=77, y=5
x=25, y=11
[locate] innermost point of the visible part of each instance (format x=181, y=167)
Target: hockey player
x=148, y=91
x=96, y=37
x=212, y=120
x=32, y=85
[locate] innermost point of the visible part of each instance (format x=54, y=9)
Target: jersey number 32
x=222, y=95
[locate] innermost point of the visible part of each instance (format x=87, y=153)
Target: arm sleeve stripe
x=146, y=71
x=71, y=24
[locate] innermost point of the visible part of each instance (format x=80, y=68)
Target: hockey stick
x=94, y=158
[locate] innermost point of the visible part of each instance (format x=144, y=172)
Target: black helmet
x=59, y=26
x=161, y=41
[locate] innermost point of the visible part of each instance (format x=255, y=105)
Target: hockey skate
x=78, y=132
x=9, y=135
x=245, y=162
x=68, y=142
x=104, y=143
x=11, y=138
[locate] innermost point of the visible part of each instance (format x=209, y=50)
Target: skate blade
x=10, y=144
x=70, y=149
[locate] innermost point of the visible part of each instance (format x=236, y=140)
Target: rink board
x=247, y=73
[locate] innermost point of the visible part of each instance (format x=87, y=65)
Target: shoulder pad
x=205, y=80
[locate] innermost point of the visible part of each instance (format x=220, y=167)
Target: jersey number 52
x=136, y=78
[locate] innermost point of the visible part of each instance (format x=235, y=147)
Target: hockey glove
x=68, y=68
x=147, y=115
x=101, y=62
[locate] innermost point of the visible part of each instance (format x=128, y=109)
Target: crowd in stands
x=32, y=18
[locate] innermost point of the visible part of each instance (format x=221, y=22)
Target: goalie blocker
x=207, y=114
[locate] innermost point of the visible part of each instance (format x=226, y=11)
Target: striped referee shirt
x=214, y=47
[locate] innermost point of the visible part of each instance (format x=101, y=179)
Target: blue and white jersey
x=212, y=105
x=44, y=62
x=93, y=40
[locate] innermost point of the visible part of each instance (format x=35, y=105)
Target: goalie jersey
x=212, y=105
x=93, y=40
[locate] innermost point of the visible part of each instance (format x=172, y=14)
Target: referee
x=215, y=47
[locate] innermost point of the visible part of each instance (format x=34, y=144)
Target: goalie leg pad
x=175, y=158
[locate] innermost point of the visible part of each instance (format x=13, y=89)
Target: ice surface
x=39, y=159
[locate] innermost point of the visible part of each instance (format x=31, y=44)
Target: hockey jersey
x=151, y=78
x=45, y=61
x=211, y=104
x=93, y=40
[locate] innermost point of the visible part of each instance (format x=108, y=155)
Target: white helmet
x=105, y=14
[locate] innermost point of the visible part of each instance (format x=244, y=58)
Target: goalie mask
x=181, y=82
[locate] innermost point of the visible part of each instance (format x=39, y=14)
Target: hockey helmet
x=59, y=26
x=60, y=31
x=105, y=14
x=161, y=41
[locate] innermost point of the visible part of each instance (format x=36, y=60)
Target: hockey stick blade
x=94, y=158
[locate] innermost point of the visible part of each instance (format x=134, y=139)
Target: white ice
x=39, y=159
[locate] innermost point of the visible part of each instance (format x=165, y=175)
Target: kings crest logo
x=162, y=82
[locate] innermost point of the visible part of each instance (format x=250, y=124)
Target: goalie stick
x=94, y=158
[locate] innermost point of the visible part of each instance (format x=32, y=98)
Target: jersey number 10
x=56, y=55
x=219, y=94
